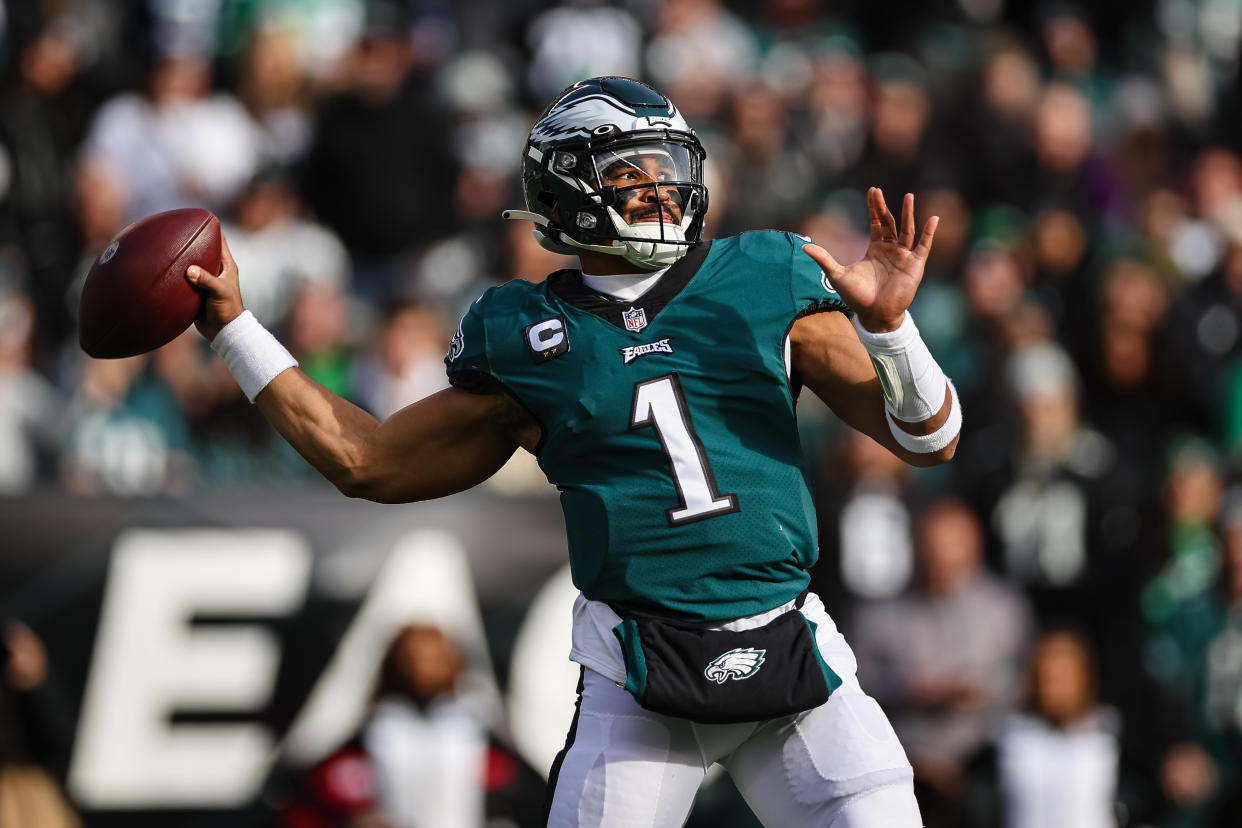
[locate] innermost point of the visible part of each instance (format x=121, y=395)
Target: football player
x=657, y=387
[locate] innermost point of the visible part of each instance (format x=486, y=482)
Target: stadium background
x=1085, y=294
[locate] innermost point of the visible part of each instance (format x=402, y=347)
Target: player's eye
x=619, y=174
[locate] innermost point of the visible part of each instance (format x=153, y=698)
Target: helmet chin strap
x=649, y=255
x=653, y=254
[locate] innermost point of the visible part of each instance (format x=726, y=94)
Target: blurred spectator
x=272, y=87
x=322, y=33
x=30, y=406
x=580, y=39
x=283, y=250
x=428, y=747
x=438, y=764
x=390, y=200
x=946, y=199
x=118, y=432
x=1206, y=329
x=1059, y=250
x=131, y=426
x=944, y=659
x=35, y=735
x=1069, y=40
x=1195, y=653
x=769, y=181
x=1192, y=495
x=1069, y=166
x=838, y=105
x=318, y=335
x=489, y=141
x=427, y=755
x=866, y=548
x=897, y=156
x=42, y=117
x=1215, y=190
x=1049, y=507
x=1001, y=121
x=700, y=54
x=176, y=144
x=992, y=297
x=406, y=363
x=1058, y=762
x=1131, y=391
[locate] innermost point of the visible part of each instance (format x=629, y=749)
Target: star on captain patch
x=635, y=319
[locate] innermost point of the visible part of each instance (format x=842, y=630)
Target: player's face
x=638, y=178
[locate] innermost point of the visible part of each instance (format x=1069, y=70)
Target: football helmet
x=607, y=149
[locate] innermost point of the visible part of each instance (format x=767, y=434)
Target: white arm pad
x=912, y=380
x=938, y=439
x=253, y=355
x=913, y=383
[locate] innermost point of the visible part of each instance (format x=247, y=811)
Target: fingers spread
x=880, y=213
x=873, y=211
x=925, y=240
x=907, y=222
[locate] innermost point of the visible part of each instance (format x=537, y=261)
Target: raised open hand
x=880, y=286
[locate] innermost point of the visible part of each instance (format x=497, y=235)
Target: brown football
x=136, y=297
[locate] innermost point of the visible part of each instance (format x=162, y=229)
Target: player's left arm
x=876, y=373
x=829, y=359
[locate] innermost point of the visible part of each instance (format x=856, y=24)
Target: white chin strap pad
x=654, y=254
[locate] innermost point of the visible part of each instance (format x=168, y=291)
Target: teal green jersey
x=668, y=422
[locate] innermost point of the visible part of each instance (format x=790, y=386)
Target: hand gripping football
x=136, y=297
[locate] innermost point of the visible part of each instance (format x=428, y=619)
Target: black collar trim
x=568, y=285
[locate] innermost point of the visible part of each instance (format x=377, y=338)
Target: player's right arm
x=445, y=443
x=442, y=444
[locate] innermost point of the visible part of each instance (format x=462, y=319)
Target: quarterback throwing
x=657, y=387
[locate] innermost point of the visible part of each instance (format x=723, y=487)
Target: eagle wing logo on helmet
x=580, y=117
x=741, y=663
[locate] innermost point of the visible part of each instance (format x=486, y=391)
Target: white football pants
x=837, y=765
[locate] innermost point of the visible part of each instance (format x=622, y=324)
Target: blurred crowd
x=1053, y=620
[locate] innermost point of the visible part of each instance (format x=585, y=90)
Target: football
x=136, y=297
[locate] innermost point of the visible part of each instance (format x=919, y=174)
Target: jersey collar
x=568, y=285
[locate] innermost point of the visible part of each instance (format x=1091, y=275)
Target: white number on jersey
x=660, y=403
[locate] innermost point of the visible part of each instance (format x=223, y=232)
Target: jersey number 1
x=660, y=403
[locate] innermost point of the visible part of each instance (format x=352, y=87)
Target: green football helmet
x=595, y=138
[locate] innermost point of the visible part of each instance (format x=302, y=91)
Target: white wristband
x=912, y=380
x=253, y=355
x=938, y=439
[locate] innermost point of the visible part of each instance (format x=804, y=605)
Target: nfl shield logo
x=635, y=319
